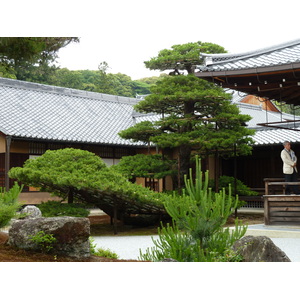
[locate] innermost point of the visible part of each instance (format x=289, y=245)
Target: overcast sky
x=126, y=33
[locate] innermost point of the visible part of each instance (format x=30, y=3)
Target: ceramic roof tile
x=277, y=55
x=30, y=110
x=38, y=111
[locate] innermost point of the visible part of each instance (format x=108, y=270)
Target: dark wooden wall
x=265, y=162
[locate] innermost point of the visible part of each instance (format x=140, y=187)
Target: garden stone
x=169, y=260
x=71, y=233
x=31, y=212
x=259, y=249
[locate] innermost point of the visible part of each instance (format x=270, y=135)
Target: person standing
x=289, y=168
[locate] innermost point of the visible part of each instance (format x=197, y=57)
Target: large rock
x=259, y=249
x=71, y=233
x=31, y=212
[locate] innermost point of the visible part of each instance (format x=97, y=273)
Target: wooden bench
x=281, y=209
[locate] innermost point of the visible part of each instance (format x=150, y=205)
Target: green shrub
x=9, y=204
x=106, y=253
x=58, y=209
x=241, y=188
x=100, y=251
x=43, y=240
x=197, y=232
x=84, y=176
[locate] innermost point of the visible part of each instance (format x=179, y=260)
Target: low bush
x=101, y=251
x=44, y=241
x=58, y=209
x=106, y=253
x=241, y=188
x=9, y=204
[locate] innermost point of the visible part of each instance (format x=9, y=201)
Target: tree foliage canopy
x=141, y=165
x=21, y=54
x=194, y=114
x=182, y=57
x=86, y=175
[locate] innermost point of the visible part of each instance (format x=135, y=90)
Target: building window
x=152, y=184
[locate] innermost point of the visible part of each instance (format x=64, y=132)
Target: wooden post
x=115, y=219
x=7, y=161
x=266, y=211
x=266, y=187
x=70, y=196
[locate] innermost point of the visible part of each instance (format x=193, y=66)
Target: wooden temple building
x=37, y=117
x=271, y=74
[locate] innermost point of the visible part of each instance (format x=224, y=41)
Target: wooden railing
x=280, y=209
x=272, y=184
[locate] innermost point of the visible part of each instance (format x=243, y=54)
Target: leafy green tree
x=80, y=175
x=66, y=78
x=19, y=54
x=195, y=114
x=141, y=88
x=123, y=85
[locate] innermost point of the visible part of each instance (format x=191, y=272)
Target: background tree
x=22, y=53
x=195, y=114
x=66, y=78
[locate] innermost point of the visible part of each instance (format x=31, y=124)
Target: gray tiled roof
x=286, y=53
x=30, y=110
x=275, y=136
x=36, y=111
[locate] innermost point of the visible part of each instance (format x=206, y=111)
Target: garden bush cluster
x=58, y=209
x=197, y=230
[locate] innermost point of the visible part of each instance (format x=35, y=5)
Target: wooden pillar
x=7, y=161
x=71, y=196
x=115, y=219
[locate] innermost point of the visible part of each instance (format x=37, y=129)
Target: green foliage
x=101, y=251
x=196, y=115
x=195, y=112
x=9, y=204
x=43, y=240
x=182, y=57
x=58, y=209
x=106, y=253
x=197, y=232
x=241, y=188
x=142, y=131
x=141, y=165
x=20, y=54
x=85, y=175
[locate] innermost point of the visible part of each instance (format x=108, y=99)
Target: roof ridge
x=242, y=55
x=65, y=91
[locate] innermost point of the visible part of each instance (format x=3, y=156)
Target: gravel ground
x=127, y=247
